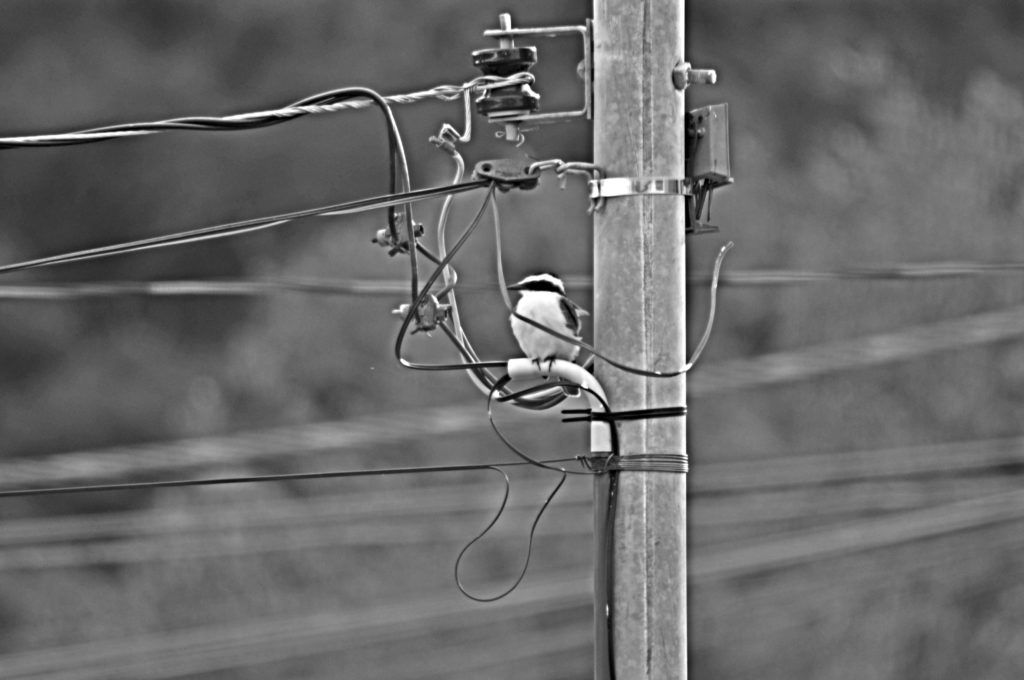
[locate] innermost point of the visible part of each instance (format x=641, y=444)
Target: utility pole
x=647, y=199
x=640, y=319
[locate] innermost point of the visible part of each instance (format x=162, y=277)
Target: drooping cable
x=398, y=186
x=490, y=525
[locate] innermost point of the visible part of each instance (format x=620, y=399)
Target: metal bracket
x=506, y=36
x=616, y=187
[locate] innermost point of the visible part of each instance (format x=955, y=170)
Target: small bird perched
x=542, y=299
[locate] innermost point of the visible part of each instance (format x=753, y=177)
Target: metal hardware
x=684, y=75
x=707, y=155
x=429, y=314
x=707, y=161
x=500, y=106
x=613, y=187
x=385, y=240
x=508, y=173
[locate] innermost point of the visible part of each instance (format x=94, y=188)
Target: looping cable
x=490, y=525
x=480, y=370
x=503, y=287
x=545, y=388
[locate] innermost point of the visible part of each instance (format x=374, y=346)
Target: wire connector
x=430, y=313
x=507, y=174
x=385, y=239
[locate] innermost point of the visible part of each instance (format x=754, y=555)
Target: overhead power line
x=331, y=101
x=845, y=467
x=192, y=651
x=802, y=547
x=863, y=352
x=140, y=460
x=72, y=290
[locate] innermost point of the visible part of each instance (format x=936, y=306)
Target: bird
x=542, y=299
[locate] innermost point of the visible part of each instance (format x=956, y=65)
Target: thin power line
x=353, y=434
x=72, y=290
x=714, y=484
x=857, y=353
x=802, y=547
x=202, y=649
x=283, y=477
x=244, y=226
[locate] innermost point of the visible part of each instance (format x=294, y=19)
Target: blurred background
x=856, y=444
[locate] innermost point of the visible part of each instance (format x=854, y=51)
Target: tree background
x=863, y=134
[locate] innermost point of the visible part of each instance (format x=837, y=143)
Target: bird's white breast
x=544, y=308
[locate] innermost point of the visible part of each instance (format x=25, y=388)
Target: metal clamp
x=613, y=187
x=507, y=173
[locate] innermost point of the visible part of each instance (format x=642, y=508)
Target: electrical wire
x=399, y=187
x=469, y=359
x=330, y=101
x=243, y=226
x=861, y=352
x=255, y=287
x=247, y=479
x=503, y=287
x=548, y=385
x=529, y=542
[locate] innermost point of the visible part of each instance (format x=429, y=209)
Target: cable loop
x=529, y=544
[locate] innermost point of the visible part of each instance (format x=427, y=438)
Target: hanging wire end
x=712, y=307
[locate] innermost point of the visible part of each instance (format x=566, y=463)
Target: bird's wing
x=572, y=312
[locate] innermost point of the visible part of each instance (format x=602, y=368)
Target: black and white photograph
x=517, y=340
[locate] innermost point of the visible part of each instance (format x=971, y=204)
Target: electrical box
x=708, y=157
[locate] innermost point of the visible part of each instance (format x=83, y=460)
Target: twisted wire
x=322, y=103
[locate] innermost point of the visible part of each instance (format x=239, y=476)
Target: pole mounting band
x=612, y=187
x=678, y=463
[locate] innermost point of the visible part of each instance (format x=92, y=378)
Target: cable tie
x=678, y=463
x=587, y=415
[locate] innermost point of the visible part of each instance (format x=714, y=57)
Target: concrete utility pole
x=640, y=313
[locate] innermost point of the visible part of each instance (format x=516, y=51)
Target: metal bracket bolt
x=684, y=75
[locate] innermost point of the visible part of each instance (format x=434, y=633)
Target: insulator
x=504, y=62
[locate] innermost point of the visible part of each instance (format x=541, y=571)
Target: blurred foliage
x=863, y=134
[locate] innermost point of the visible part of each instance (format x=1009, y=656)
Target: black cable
x=424, y=293
x=398, y=180
x=529, y=543
x=469, y=363
x=243, y=226
x=586, y=346
x=285, y=477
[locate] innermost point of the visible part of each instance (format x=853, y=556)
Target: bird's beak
x=515, y=286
